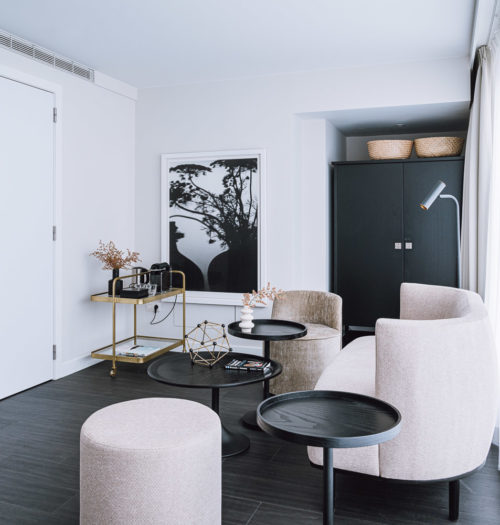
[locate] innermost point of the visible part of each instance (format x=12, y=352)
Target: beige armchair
x=304, y=359
x=437, y=365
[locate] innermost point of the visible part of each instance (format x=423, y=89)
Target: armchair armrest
x=306, y=306
x=329, y=311
x=441, y=375
x=428, y=302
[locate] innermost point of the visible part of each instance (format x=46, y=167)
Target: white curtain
x=481, y=198
x=492, y=282
x=477, y=177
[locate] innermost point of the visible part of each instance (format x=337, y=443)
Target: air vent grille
x=44, y=55
x=63, y=64
x=4, y=40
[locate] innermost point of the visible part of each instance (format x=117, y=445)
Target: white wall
x=101, y=198
x=96, y=129
x=320, y=143
x=264, y=113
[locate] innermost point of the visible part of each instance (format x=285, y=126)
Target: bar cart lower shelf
x=121, y=351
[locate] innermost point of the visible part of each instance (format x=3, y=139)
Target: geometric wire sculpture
x=210, y=339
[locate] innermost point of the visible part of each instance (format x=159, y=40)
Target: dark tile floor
x=270, y=484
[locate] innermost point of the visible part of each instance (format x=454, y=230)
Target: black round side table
x=266, y=330
x=177, y=369
x=329, y=419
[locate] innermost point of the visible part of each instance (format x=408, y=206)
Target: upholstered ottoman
x=150, y=462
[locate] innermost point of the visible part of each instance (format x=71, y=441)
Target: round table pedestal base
x=233, y=443
x=250, y=420
x=328, y=487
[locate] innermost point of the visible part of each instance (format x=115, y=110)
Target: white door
x=26, y=219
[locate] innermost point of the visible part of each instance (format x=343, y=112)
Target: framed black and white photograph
x=212, y=206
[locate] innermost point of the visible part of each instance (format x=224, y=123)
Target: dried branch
x=113, y=258
x=229, y=217
x=260, y=296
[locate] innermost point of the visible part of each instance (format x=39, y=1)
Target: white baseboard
x=496, y=436
x=65, y=368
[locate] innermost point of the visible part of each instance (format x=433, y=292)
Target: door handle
x=408, y=245
x=397, y=246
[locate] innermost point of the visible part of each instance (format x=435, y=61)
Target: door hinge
x=54, y=114
x=54, y=352
x=54, y=233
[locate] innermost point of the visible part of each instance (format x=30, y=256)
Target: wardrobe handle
x=397, y=246
x=408, y=246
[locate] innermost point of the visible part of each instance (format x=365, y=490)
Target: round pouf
x=154, y=461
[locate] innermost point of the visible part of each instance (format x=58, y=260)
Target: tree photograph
x=213, y=220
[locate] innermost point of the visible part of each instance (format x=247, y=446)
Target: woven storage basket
x=439, y=146
x=389, y=149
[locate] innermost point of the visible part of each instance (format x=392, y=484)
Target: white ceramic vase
x=246, y=318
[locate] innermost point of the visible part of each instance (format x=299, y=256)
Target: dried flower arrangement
x=260, y=296
x=113, y=258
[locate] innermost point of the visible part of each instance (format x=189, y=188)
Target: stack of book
x=248, y=364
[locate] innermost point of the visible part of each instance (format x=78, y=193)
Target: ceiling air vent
x=22, y=47
x=63, y=64
x=26, y=48
x=4, y=40
x=43, y=56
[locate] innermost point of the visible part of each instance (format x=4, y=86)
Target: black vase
x=118, y=285
x=234, y=270
x=194, y=277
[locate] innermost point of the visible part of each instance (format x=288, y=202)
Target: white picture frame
x=167, y=160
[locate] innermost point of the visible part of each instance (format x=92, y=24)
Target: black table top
x=269, y=330
x=176, y=369
x=326, y=418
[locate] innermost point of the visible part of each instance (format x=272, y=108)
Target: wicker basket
x=439, y=146
x=389, y=149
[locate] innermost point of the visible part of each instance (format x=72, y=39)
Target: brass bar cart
x=109, y=352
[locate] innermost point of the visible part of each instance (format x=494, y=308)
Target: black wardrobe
x=380, y=237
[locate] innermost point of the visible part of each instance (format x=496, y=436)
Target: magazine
x=248, y=364
x=131, y=350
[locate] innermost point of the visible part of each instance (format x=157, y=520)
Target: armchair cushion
x=352, y=371
x=319, y=331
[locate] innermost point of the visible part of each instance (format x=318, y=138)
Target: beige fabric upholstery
x=352, y=371
x=422, y=302
x=319, y=331
x=306, y=306
x=305, y=359
x=439, y=370
x=150, y=462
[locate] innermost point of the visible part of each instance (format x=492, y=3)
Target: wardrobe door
x=431, y=256
x=367, y=234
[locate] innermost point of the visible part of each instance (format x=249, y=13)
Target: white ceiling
x=451, y=116
x=159, y=42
